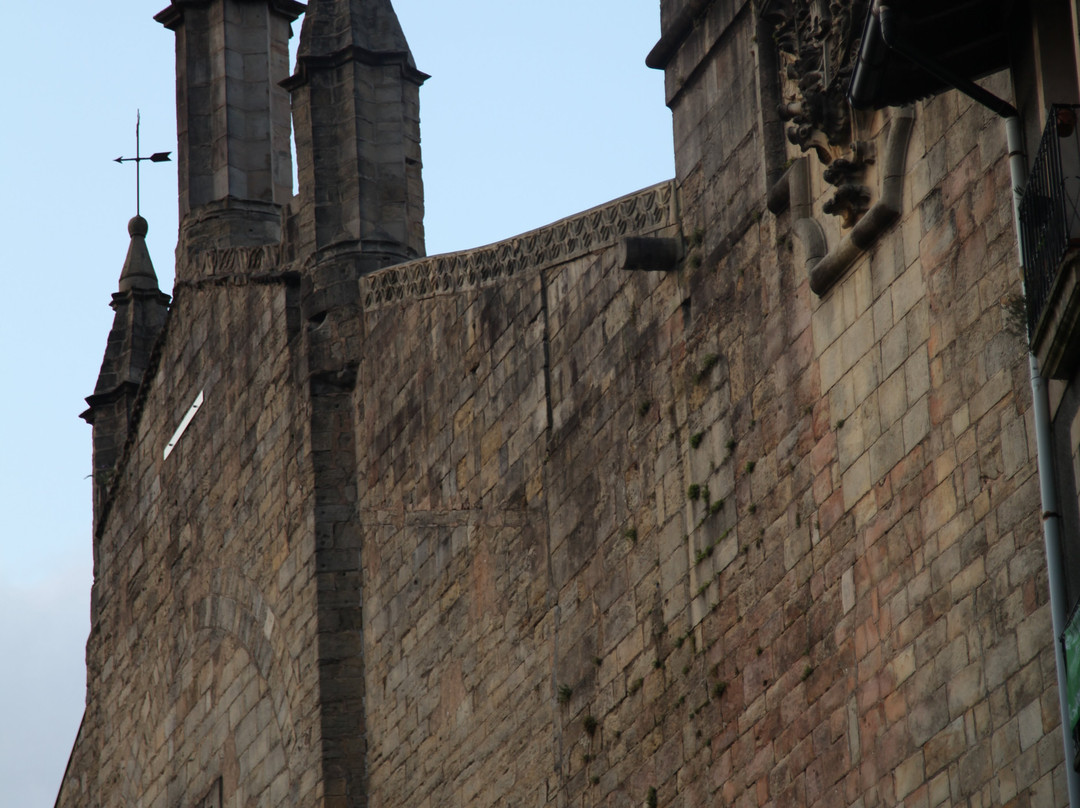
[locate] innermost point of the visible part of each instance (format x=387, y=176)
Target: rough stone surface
x=518, y=527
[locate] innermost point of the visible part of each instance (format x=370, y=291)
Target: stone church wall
x=518, y=526
x=705, y=532
x=203, y=603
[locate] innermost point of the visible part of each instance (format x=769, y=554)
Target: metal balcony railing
x=1050, y=208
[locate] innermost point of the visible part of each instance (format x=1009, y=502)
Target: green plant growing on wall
x=707, y=364
x=719, y=689
x=753, y=508
x=631, y=534
x=635, y=685
x=643, y=408
x=695, y=439
x=750, y=466
x=650, y=798
x=693, y=492
x=565, y=693
x=808, y=671
x=716, y=507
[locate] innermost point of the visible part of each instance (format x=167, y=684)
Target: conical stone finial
x=333, y=27
x=138, y=271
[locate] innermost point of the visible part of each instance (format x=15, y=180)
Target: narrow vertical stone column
x=356, y=106
x=233, y=128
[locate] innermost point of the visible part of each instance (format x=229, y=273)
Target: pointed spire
x=138, y=271
x=334, y=27
x=141, y=310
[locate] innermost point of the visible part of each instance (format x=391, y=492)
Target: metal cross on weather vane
x=158, y=157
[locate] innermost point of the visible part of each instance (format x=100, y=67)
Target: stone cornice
x=306, y=64
x=173, y=15
x=600, y=228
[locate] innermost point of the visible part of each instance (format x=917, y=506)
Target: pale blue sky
x=535, y=111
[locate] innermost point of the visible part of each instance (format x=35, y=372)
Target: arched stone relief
x=225, y=621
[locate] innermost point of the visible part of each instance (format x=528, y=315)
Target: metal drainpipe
x=1051, y=517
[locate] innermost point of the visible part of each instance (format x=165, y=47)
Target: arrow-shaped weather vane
x=158, y=157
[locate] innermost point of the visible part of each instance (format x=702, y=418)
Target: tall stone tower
x=235, y=164
x=356, y=106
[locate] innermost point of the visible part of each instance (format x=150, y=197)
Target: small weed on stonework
x=694, y=492
x=716, y=507
x=630, y=534
x=750, y=466
x=808, y=671
x=695, y=439
x=753, y=508
x=643, y=408
x=719, y=689
x=635, y=685
x=565, y=693
x=650, y=799
x=707, y=364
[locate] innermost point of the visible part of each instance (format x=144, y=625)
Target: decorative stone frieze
x=647, y=210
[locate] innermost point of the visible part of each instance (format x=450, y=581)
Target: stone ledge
x=602, y=227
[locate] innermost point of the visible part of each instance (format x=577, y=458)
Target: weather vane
x=159, y=157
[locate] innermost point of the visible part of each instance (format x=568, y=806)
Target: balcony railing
x=1050, y=208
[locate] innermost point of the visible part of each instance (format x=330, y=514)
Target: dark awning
x=967, y=38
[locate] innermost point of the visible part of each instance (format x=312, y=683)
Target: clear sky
x=534, y=111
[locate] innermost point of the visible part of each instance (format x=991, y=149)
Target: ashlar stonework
x=524, y=526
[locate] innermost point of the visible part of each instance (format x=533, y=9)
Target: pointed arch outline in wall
x=234, y=605
x=230, y=606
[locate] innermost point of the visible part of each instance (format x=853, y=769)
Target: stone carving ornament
x=818, y=41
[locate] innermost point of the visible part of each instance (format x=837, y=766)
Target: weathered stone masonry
x=519, y=526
